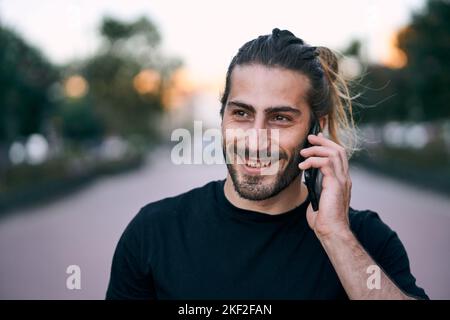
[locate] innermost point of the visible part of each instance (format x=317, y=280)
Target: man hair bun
x=285, y=38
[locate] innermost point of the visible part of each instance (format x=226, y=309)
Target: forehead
x=263, y=86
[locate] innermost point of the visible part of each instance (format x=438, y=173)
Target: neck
x=289, y=198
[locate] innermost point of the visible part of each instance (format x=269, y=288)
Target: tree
x=25, y=79
x=384, y=96
x=426, y=43
x=80, y=123
x=418, y=91
x=128, y=49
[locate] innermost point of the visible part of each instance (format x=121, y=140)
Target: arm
x=131, y=277
x=351, y=262
x=331, y=223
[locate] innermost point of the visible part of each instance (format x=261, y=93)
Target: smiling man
x=255, y=235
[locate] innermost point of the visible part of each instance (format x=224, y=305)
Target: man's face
x=266, y=99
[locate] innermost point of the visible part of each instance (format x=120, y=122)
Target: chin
x=252, y=185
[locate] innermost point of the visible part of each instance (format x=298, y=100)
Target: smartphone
x=313, y=176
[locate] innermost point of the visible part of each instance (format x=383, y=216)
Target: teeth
x=265, y=163
x=257, y=164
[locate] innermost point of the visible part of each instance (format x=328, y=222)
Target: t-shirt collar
x=244, y=214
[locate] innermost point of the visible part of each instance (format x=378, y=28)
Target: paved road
x=37, y=244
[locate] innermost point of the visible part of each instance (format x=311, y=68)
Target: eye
x=240, y=113
x=280, y=118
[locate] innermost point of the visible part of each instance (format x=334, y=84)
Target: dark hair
x=328, y=95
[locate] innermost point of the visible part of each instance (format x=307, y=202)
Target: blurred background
x=91, y=91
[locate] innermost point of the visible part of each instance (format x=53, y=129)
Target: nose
x=260, y=122
x=259, y=137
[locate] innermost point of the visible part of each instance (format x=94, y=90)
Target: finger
x=311, y=216
x=326, y=152
x=315, y=151
x=322, y=141
x=323, y=163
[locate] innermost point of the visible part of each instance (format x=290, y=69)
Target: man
x=255, y=235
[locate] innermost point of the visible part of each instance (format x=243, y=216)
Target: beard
x=253, y=187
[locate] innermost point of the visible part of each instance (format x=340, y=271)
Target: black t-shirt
x=198, y=245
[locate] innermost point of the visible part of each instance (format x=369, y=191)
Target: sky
x=206, y=34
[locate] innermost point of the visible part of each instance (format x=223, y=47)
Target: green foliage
x=386, y=96
x=25, y=79
x=114, y=30
x=111, y=85
x=80, y=123
x=353, y=49
x=426, y=42
x=129, y=48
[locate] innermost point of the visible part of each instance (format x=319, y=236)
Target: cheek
x=231, y=134
x=289, y=143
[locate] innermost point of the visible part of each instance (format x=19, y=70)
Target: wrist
x=343, y=233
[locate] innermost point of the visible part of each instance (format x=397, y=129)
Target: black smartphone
x=313, y=176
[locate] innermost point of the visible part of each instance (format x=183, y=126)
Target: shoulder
x=177, y=205
x=371, y=230
x=158, y=217
x=362, y=220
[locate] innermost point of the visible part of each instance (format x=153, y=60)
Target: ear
x=323, y=122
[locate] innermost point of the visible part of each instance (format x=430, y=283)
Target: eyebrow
x=273, y=109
